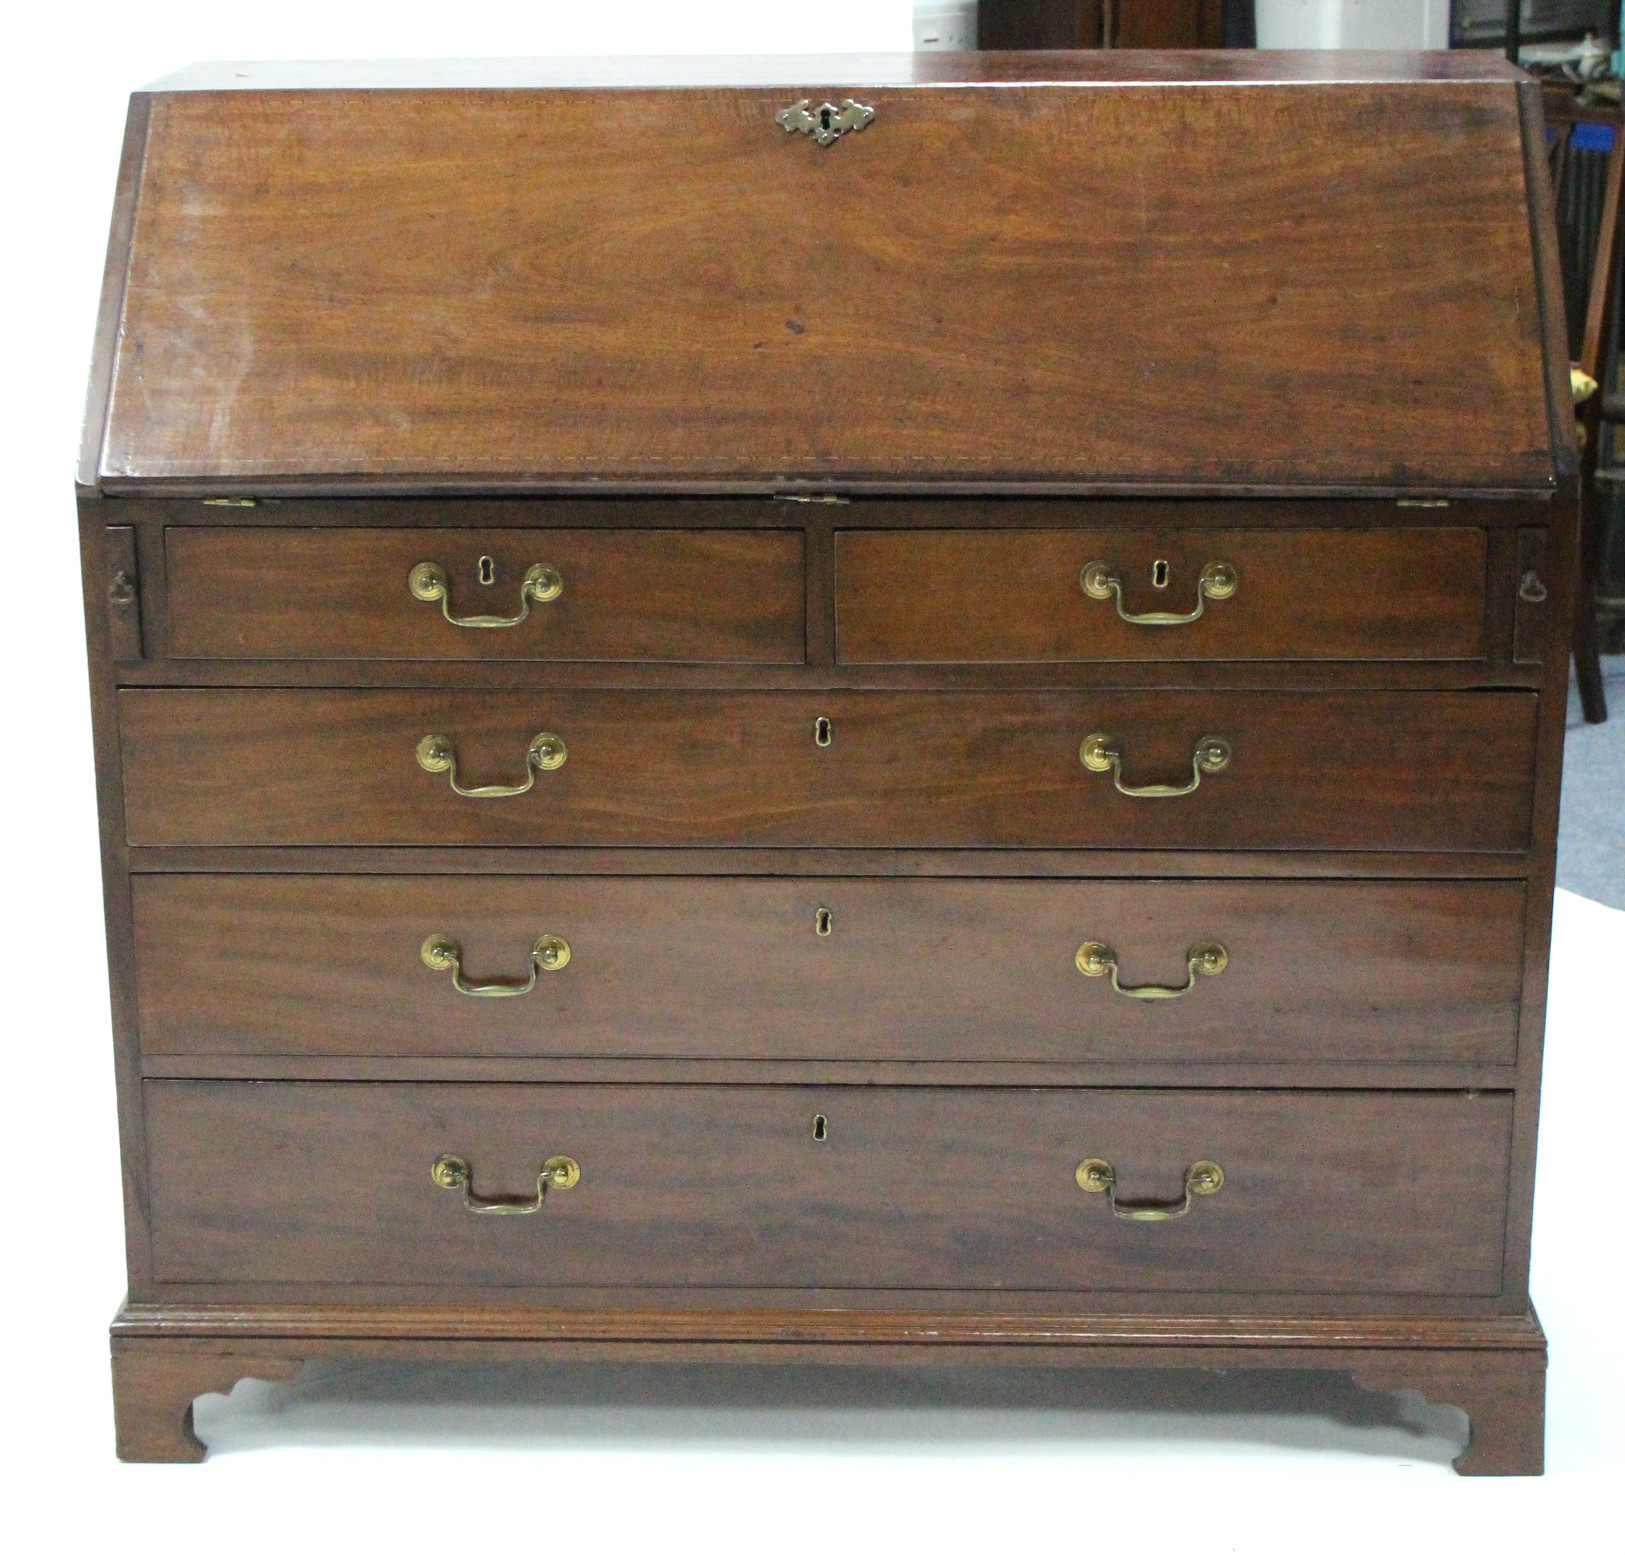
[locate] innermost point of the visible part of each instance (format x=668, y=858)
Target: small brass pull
x=547, y=752
x=1099, y=753
x=1202, y=1178
x=427, y=581
x=1207, y=957
x=441, y=953
x=452, y=1171
x=1101, y=580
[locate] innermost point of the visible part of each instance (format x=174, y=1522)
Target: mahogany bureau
x=858, y=709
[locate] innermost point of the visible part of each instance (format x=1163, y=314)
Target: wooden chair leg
x=153, y=1392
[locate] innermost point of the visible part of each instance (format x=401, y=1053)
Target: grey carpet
x=1591, y=834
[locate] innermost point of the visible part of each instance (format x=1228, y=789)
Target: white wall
x=1353, y=24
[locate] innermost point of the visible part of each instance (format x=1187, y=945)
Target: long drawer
x=1037, y=595
x=290, y=1183
x=1403, y=770
x=848, y=969
x=606, y=594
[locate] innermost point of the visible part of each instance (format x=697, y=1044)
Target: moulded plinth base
x=1494, y=1369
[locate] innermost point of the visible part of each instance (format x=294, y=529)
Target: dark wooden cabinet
x=919, y=737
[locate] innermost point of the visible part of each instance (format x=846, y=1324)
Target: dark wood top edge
x=405, y=484
x=114, y=276
x=1501, y=1332
x=1117, y=67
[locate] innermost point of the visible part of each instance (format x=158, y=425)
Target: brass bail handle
x=1202, y=1179
x=1207, y=958
x=1103, y=580
x=1100, y=753
x=437, y=753
x=427, y=581
x=452, y=1171
x=441, y=953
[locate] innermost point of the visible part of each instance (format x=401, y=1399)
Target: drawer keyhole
x=1159, y=575
x=823, y=731
x=488, y=570
x=820, y=1126
x=822, y=923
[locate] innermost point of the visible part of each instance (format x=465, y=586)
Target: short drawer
x=1402, y=770
x=1397, y=1193
x=840, y=969
x=635, y=594
x=1060, y=595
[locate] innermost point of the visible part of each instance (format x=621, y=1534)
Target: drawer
x=962, y=970
x=993, y=595
x=651, y=594
x=1402, y=770
x=289, y=1183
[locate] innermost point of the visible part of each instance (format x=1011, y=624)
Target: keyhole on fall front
x=822, y=923
x=820, y=1126
x=823, y=118
x=488, y=569
x=823, y=731
x=1159, y=575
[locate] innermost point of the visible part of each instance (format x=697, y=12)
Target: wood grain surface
x=969, y=970
x=1016, y=595
x=686, y=595
x=1425, y=770
x=721, y=1186
x=1310, y=283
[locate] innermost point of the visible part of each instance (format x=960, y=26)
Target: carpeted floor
x=1591, y=836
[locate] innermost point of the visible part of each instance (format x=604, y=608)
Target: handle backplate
x=437, y=753
x=427, y=581
x=453, y=1172
x=1102, y=753
x=1102, y=580
x=1202, y=1179
x=441, y=953
x=1207, y=957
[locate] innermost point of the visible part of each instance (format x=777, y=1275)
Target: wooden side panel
x=1042, y=282
x=1408, y=770
x=968, y=970
x=1016, y=595
x=1398, y=1192
x=687, y=595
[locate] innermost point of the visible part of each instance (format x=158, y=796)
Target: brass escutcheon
x=825, y=123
